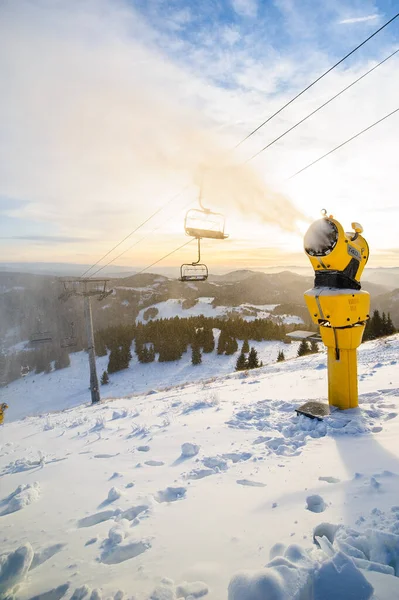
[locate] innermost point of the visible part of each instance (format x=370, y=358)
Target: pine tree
x=253, y=361
x=3, y=368
x=208, y=344
x=62, y=361
x=231, y=346
x=314, y=348
x=384, y=324
x=245, y=347
x=42, y=363
x=241, y=363
x=114, y=362
x=376, y=325
x=196, y=358
x=101, y=349
x=303, y=348
x=390, y=326
x=280, y=356
x=222, y=342
x=104, y=378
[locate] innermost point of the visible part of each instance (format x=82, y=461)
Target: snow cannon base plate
x=315, y=410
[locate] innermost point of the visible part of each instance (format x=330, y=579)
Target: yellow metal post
x=337, y=304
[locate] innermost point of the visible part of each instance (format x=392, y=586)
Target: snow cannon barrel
x=336, y=303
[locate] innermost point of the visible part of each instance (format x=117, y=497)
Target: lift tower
x=87, y=288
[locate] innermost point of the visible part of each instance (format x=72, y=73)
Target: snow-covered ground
x=249, y=312
x=37, y=394
x=110, y=498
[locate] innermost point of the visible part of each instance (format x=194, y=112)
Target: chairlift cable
x=244, y=139
x=134, y=231
x=344, y=143
x=318, y=79
x=139, y=241
x=323, y=105
x=166, y=256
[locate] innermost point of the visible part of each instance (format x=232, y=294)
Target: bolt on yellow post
x=336, y=303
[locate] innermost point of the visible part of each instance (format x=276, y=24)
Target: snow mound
x=114, y=494
x=116, y=554
x=315, y=504
x=171, y=494
x=188, y=450
x=195, y=589
x=24, y=495
x=292, y=575
x=13, y=568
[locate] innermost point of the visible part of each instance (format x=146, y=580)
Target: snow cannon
x=336, y=303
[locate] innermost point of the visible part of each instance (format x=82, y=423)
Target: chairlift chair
x=195, y=271
x=71, y=340
x=205, y=224
x=41, y=337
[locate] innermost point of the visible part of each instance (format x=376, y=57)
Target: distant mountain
x=29, y=303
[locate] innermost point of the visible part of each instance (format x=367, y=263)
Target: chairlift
x=71, y=340
x=204, y=223
x=41, y=337
x=195, y=271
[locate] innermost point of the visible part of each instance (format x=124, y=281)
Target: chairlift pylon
x=69, y=341
x=195, y=271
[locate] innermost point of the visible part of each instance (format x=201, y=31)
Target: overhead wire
x=166, y=256
x=139, y=241
x=323, y=105
x=318, y=79
x=344, y=143
x=154, y=214
x=252, y=133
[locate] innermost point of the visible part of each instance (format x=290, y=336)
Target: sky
x=113, y=109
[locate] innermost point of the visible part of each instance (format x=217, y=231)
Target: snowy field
x=249, y=312
x=37, y=394
x=98, y=502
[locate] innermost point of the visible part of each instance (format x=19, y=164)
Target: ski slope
x=209, y=489
x=173, y=307
x=41, y=393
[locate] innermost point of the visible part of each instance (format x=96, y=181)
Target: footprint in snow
x=154, y=463
x=171, y=494
x=250, y=483
x=97, y=518
x=199, y=473
x=329, y=479
x=106, y=455
x=315, y=504
x=120, y=553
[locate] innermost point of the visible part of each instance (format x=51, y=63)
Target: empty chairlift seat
x=193, y=272
x=205, y=224
x=41, y=337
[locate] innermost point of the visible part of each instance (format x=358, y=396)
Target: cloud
x=245, y=8
x=108, y=112
x=48, y=239
x=359, y=19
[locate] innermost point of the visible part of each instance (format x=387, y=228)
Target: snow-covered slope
x=37, y=394
x=109, y=497
x=203, y=306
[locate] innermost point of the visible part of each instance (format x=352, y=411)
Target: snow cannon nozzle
x=338, y=258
